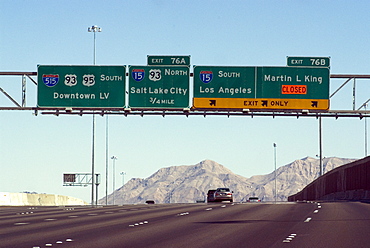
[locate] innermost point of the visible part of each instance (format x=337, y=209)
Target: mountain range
x=190, y=183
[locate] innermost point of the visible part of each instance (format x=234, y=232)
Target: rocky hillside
x=187, y=184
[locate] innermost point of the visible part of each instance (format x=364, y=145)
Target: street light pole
x=320, y=145
x=123, y=177
x=364, y=105
x=114, y=158
x=365, y=133
x=106, y=161
x=275, y=168
x=93, y=29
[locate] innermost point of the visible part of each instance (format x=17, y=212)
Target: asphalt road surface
x=332, y=224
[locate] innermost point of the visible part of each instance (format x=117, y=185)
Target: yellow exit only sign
x=263, y=103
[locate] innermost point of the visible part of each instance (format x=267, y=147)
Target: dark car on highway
x=223, y=194
x=211, y=195
x=254, y=199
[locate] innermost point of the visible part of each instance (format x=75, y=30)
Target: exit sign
x=168, y=60
x=308, y=61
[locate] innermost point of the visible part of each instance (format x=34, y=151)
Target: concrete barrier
x=26, y=199
x=349, y=182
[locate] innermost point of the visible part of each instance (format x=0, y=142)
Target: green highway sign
x=81, y=86
x=292, y=82
x=169, y=60
x=308, y=61
x=159, y=86
x=261, y=87
x=224, y=82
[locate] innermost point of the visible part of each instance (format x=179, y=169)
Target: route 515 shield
x=50, y=80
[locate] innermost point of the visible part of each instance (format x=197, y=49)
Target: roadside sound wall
x=347, y=182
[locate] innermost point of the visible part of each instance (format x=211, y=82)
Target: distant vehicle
x=223, y=194
x=254, y=199
x=211, y=195
x=149, y=202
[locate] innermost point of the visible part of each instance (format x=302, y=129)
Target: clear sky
x=35, y=151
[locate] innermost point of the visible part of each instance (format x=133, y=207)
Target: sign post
x=81, y=86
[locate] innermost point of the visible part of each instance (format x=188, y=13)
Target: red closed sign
x=294, y=89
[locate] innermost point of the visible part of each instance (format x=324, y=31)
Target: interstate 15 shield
x=138, y=74
x=206, y=76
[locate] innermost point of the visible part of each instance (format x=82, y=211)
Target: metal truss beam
x=187, y=112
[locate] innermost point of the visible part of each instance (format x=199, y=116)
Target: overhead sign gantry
x=167, y=86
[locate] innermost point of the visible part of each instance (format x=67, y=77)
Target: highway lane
x=37, y=228
x=335, y=224
x=345, y=224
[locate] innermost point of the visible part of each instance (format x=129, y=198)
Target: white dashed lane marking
x=289, y=238
x=21, y=223
x=139, y=223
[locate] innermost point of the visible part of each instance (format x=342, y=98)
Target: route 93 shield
x=70, y=80
x=155, y=75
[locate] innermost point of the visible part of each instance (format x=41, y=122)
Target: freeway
x=327, y=224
